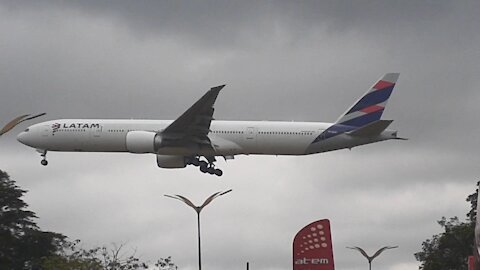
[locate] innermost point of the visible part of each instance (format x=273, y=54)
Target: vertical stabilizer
x=370, y=106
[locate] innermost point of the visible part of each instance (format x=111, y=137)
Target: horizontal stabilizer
x=372, y=129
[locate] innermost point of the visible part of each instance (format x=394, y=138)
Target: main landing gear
x=205, y=167
x=43, y=154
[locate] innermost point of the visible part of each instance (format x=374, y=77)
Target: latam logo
x=57, y=126
x=80, y=125
x=312, y=247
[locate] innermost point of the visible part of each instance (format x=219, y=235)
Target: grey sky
x=281, y=60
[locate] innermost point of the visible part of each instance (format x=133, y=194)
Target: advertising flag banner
x=471, y=263
x=312, y=247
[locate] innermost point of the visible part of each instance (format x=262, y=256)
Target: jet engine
x=170, y=161
x=142, y=141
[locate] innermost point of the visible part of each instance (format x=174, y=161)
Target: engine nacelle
x=170, y=161
x=141, y=142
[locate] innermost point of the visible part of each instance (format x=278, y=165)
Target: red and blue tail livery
x=366, y=111
x=370, y=106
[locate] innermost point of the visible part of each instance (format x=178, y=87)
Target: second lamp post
x=198, y=209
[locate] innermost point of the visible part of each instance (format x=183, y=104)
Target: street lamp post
x=370, y=258
x=198, y=209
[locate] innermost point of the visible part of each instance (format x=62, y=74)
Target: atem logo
x=311, y=261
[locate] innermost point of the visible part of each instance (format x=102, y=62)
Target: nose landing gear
x=43, y=154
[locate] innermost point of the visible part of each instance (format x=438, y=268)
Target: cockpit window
x=27, y=130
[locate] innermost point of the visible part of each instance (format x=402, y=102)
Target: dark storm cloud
x=229, y=22
x=234, y=24
x=240, y=29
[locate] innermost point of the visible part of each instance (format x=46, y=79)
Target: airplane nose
x=23, y=138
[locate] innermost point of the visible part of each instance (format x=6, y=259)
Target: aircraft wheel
x=218, y=172
x=203, y=168
x=44, y=162
x=211, y=170
x=195, y=162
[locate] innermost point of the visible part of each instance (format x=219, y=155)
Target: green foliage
x=165, y=264
x=72, y=257
x=472, y=198
x=450, y=249
x=23, y=246
x=22, y=243
x=100, y=258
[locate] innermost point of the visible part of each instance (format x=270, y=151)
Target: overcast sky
x=281, y=60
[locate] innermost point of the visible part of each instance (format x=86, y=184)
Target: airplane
x=195, y=138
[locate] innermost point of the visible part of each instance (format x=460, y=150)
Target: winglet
x=218, y=88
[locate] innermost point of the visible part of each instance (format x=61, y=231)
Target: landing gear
x=195, y=162
x=213, y=170
x=44, y=161
x=218, y=172
x=205, y=167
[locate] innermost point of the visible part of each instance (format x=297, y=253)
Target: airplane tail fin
x=369, y=108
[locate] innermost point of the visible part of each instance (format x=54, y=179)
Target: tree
x=23, y=246
x=22, y=243
x=101, y=258
x=72, y=257
x=450, y=249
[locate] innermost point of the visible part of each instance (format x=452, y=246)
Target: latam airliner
x=195, y=138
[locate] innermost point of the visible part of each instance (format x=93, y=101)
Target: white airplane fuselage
x=228, y=138
x=194, y=135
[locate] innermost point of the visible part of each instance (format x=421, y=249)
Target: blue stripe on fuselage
x=332, y=131
x=337, y=129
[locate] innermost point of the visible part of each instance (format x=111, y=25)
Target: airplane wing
x=194, y=124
